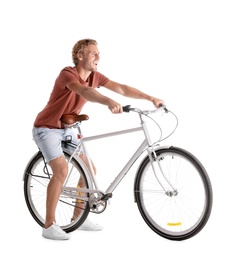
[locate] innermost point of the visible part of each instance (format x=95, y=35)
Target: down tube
x=126, y=168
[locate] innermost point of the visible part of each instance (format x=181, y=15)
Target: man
x=72, y=89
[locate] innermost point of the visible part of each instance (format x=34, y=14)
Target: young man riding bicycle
x=73, y=87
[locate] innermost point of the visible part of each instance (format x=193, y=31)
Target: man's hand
x=115, y=107
x=157, y=102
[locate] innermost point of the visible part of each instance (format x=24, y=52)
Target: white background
x=180, y=51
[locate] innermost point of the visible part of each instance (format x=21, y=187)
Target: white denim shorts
x=49, y=141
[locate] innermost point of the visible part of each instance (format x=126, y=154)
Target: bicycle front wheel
x=70, y=213
x=182, y=210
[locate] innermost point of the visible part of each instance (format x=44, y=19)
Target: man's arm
x=90, y=94
x=131, y=92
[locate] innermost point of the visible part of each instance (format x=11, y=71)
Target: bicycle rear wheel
x=36, y=180
x=182, y=213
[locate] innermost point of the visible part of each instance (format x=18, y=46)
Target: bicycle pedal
x=107, y=196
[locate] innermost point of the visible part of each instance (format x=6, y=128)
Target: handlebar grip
x=164, y=107
x=126, y=108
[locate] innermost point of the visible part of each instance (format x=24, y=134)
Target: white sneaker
x=90, y=226
x=55, y=232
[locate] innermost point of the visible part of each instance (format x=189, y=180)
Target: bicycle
x=172, y=189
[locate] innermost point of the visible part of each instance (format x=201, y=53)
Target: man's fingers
x=117, y=109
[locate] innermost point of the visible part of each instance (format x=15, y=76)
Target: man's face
x=90, y=58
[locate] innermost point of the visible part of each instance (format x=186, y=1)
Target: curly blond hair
x=79, y=48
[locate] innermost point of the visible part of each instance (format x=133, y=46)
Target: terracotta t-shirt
x=65, y=101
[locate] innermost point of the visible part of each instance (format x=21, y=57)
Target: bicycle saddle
x=70, y=119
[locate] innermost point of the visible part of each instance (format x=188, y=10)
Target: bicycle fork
x=153, y=158
x=164, y=181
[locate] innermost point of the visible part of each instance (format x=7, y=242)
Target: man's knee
x=59, y=167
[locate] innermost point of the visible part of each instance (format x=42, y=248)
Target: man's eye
x=93, y=53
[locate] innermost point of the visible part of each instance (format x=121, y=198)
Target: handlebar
x=128, y=108
x=146, y=113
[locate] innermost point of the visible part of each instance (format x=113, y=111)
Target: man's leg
x=87, y=225
x=81, y=184
x=60, y=169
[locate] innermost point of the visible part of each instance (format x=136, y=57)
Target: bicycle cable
x=147, y=112
x=160, y=129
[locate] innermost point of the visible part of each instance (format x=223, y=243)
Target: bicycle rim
x=35, y=189
x=181, y=215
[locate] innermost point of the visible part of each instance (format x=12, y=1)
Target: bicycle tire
x=36, y=180
x=177, y=217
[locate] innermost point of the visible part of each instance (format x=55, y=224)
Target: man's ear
x=79, y=55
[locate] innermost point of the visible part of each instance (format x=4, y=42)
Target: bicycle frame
x=128, y=165
x=145, y=145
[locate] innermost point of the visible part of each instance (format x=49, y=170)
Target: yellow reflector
x=79, y=193
x=174, y=224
